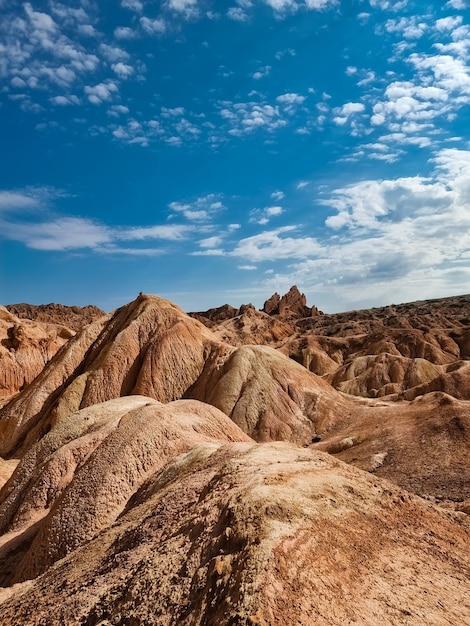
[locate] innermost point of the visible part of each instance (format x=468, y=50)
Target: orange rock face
x=25, y=348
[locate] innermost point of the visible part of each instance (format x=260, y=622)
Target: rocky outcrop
x=454, y=379
x=151, y=347
x=27, y=414
x=292, y=305
x=139, y=496
x=74, y=317
x=264, y=534
x=25, y=348
x=218, y=314
x=253, y=327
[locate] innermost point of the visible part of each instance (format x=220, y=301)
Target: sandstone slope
x=151, y=347
x=270, y=396
x=25, y=348
x=148, y=347
x=423, y=445
x=81, y=475
x=265, y=534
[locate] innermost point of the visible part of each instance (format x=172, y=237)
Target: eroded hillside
x=173, y=469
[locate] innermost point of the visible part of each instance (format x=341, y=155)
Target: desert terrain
x=235, y=466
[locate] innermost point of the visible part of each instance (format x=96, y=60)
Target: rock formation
x=151, y=347
x=250, y=326
x=218, y=314
x=25, y=348
x=74, y=317
x=134, y=491
x=292, y=305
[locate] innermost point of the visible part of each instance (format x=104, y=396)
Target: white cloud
x=281, y=6
x=65, y=233
x=288, y=6
x=27, y=217
x=319, y=5
x=14, y=201
x=271, y=245
x=87, y=30
x=457, y=4
x=133, y=5
x=113, y=54
x=365, y=204
x=153, y=27
x=262, y=72
x=391, y=240
x=263, y=216
x=122, y=70
x=170, y=232
x=370, y=77
x=187, y=7
x=408, y=27
x=237, y=14
x=246, y=117
x=124, y=33
x=66, y=100
x=210, y=242
x=43, y=51
x=290, y=98
x=448, y=23
x=200, y=210
x=450, y=74
x=248, y=268
x=40, y=21
x=173, y=112
x=118, y=109
x=103, y=92
x=277, y=195
x=389, y=5
x=345, y=112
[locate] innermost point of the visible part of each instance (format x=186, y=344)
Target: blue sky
x=215, y=152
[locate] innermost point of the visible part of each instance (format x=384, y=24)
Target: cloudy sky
x=217, y=151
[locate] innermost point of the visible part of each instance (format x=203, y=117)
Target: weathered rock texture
x=148, y=347
x=25, y=348
x=250, y=326
x=74, y=317
x=151, y=347
x=81, y=475
x=139, y=496
x=292, y=305
x=270, y=396
x=401, y=350
x=265, y=534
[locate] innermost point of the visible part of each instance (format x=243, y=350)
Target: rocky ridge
x=74, y=317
